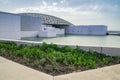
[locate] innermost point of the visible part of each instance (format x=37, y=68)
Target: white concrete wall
x=47, y=33
x=9, y=26
x=29, y=23
x=60, y=31
x=98, y=30
x=112, y=51
x=30, y=26
x=47, y=28
x=86, y=30
x=29, y=33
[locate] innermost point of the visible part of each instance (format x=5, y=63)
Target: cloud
x=75, y=11
x=67, y=6
x=82, y=14
x=65, y=2
x=54, y=7
x=44, y=3
x=54, y=3
x=62, y=1
x=62, y=6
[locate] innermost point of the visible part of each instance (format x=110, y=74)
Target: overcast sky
x=79, y=12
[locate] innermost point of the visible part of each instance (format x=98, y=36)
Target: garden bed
x=51, y=59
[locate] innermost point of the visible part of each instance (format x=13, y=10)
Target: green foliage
x=50, y=57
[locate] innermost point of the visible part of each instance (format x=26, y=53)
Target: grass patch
x=51, y=59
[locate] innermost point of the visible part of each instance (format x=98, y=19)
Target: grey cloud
x=98, y=5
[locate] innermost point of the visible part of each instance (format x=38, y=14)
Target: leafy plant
x=53, y=59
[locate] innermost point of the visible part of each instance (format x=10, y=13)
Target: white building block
x=9, y=26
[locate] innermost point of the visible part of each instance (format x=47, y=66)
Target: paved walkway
x=106, y=73
x=13, y=71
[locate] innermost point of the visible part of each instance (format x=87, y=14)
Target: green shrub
x=50, y=57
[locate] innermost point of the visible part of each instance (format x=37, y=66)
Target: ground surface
x=13, y=71
x=54, y=60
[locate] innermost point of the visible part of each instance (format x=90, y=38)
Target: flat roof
x=9, y=13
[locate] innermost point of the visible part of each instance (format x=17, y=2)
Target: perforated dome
x=48, y=19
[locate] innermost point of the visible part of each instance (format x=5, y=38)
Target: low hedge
x=54, y=60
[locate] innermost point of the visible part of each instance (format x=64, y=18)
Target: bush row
x=52, y=59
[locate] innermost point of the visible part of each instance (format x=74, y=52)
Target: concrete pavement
x=105, y=73
x=13, y=71
x=10, y=70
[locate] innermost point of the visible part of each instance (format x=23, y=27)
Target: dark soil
x=54, y=60
x=64, y=70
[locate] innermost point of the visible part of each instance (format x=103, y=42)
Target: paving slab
x=10, y=70
x=105, y=73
